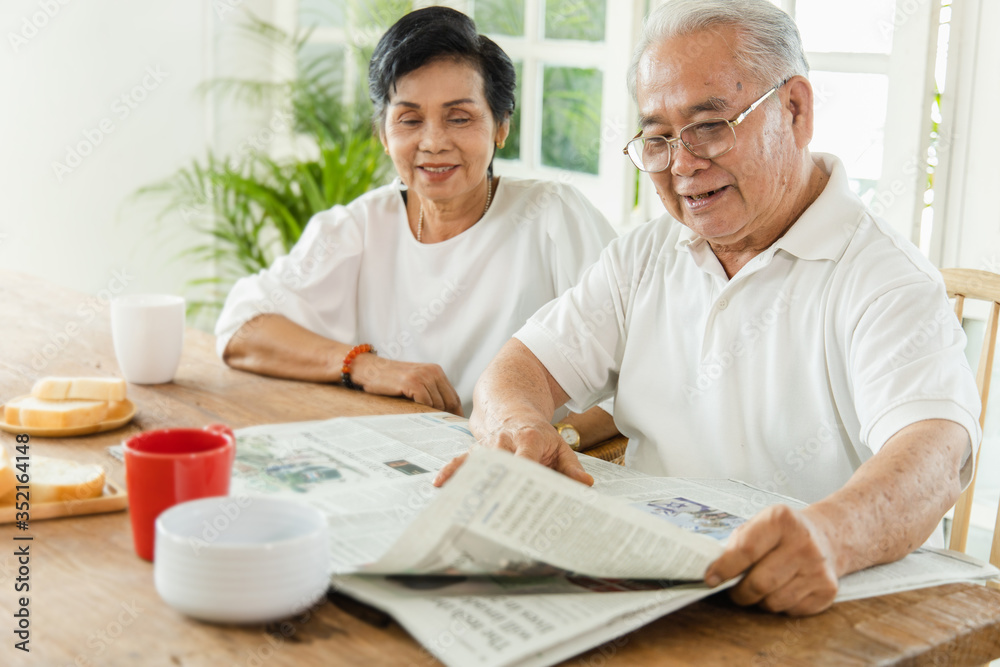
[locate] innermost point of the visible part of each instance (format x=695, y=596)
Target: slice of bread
x=62, y=479
x=117, y=410
x=7, y=480
x=89, y=388
x=38, y=413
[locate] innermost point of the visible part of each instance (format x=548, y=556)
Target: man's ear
x=799, y=103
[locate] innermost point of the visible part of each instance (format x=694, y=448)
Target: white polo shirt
x=789, y=375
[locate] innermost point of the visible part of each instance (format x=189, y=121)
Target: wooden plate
x=122, y=416
x=114, y=499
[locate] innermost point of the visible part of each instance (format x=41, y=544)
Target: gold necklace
x=489, y=198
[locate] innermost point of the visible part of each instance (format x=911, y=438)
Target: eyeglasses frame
x=671, y=143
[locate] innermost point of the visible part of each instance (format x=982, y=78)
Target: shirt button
x=723, y=304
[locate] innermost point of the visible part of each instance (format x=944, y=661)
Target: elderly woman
x=411, y=289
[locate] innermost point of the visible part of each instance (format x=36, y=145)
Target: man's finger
x=449, y=469
x=789, y=595
x=749, y=545
x=765, y=579
x=813, y=604
x=529, y=444
x=568, y=464
x=812, y=590
x=554, y=454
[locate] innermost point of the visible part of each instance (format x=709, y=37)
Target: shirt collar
x=826, y=227
x=823, y=230
x=688, y=239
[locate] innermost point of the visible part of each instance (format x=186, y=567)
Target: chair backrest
x=965, y=284
x=612, y=450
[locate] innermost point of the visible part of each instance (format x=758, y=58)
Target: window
x=574, y=113
x=344, y=34
x=848, y=45
x=873, y=96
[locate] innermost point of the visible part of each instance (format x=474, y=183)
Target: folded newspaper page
x=511, y=563
x=503, y=515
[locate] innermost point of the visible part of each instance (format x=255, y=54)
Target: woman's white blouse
x=358, y=275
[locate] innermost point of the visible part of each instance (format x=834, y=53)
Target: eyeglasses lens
x=707, y=140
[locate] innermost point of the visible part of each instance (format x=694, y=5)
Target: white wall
x=64, y=69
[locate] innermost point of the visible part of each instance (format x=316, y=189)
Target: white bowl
x=241, y=560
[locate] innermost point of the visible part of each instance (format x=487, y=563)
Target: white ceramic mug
x=148, y=333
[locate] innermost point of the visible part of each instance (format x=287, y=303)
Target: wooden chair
x=965, y=284
x=612, y=449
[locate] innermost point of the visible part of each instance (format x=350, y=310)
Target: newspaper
x=512, y=563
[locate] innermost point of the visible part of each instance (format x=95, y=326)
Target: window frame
x=612, y=189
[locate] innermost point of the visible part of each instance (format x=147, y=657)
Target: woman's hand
x=422, y=383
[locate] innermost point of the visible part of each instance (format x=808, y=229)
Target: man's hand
x=793, y=558
x=422, y=383
x=788, y=559
x=515, y=399
x=537, y=441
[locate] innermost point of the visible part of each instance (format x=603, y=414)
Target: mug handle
x=223, y=430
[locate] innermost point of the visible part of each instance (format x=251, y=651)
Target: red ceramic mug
x=170, y=466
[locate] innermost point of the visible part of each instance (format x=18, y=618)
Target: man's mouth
x=703, y=195
x=705, y=199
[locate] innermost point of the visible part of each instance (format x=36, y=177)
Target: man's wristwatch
x=569, y=434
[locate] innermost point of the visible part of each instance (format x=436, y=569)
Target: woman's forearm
x=594, y=426
x=274, y=345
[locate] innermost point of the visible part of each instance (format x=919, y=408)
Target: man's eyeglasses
x=706, y=139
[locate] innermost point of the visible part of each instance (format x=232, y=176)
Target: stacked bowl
x=241, y=559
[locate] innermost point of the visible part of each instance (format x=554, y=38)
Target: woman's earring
x=500, y=144
x=386, y=150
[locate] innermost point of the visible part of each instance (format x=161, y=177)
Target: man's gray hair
x=769, y=48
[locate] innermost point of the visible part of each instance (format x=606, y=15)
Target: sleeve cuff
x=222, y=341
x=608, y=405
x=546, y=349
x=900, y=416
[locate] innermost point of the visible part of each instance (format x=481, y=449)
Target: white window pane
x=575, y=19
x=379, y=15
x=850, y=121
x=851, y=26
x=322, y=13
x=512, y=147
x=499, y=17
x=571, y=118
x=323, y=63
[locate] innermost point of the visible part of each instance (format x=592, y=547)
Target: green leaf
x=249, y=208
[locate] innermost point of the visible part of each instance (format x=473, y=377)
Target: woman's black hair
x=433, y=33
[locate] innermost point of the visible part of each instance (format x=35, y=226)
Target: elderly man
x=770, y=329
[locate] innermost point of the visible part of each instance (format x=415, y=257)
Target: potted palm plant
x=252, y=207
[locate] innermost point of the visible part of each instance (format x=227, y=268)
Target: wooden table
x=92, y=600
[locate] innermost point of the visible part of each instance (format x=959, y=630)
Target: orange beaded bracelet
x=345, y=371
